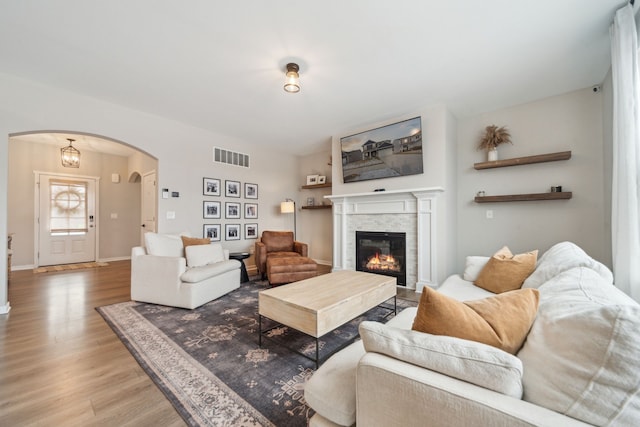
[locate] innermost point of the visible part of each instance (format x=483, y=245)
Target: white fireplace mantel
x=417, y=205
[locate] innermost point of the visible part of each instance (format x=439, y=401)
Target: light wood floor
x=62, y=365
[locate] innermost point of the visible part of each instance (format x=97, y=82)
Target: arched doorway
x=117, y=213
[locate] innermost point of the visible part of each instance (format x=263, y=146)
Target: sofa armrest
x=301, y=248
x=261, y=257
x=152, y=275
x=395, y=393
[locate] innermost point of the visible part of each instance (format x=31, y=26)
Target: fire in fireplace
x=382, y=253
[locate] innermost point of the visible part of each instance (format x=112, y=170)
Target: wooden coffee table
x=320, y=304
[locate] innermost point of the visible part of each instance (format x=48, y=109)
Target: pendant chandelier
x=70, y=156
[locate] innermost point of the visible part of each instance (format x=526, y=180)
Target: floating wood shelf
x=317, y=207
x=540, y=158
x=524, y=197
x=311, y=187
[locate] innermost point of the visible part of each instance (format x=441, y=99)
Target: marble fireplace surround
x=410, y=211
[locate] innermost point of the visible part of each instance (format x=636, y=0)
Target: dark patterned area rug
x=208, y=363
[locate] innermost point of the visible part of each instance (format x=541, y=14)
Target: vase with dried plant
x=494, y=136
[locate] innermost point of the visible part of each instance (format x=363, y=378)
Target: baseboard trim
x=22, y=267
x=4, y=309
x=121, y=258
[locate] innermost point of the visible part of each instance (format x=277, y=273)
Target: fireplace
x=382, y=253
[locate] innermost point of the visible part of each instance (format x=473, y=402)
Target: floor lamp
x=289, y=206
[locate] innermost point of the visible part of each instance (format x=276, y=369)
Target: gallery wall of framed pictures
x=231, y=208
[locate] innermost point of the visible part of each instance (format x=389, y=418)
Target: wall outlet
x=171, y=215
x=489, y=214
x=114, y=216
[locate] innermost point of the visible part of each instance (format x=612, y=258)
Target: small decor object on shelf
x=492, y=138
x=312, y=179
x=322, y=179
x=310, y=201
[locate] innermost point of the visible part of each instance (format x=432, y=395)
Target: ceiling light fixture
x=70, y=155
x=292, y=81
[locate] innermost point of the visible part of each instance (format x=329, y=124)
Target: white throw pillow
x=581, y=357
x=163, y=245
x=562, y=257
x=473, y=267
x=199, y=255
x=470, y=361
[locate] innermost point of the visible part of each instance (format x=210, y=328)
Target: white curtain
x=625, y=221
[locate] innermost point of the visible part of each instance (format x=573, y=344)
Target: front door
x=66, y=218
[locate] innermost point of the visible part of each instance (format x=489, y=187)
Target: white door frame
x=143, y=228
x=36, y=206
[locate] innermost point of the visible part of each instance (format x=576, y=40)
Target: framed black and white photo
x=251, y=231
x=232, y=231
x=322, y=179
x=232, y=188
x=210, y=187
x=232, y=210
x=250, y=191
x=312, y=179
x=211, y=231
x=210, y=210
x=251, y=210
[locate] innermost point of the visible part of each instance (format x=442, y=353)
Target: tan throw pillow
x=505, y=271
x=502, y=321
x=192, y=241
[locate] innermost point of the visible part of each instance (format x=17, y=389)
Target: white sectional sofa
x=580, y=363
x=166, y=273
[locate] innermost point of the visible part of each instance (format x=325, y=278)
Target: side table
x=241, y=256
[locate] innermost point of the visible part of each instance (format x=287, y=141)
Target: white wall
x=439, y=166
x=573, y=121
x=315, y=227
x=184, y=155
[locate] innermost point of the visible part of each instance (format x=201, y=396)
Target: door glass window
x=67, y=207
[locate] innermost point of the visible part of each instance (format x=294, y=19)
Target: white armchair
x=162, y=273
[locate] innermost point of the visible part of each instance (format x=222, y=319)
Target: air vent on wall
x=221, y=155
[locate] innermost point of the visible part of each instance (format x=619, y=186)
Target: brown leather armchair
x=278, y=244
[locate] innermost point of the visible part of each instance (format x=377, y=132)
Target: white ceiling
x=219, y=65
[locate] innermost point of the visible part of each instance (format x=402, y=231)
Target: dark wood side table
x=241, y=256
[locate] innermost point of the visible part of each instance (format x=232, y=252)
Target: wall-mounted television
x=384, y=152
